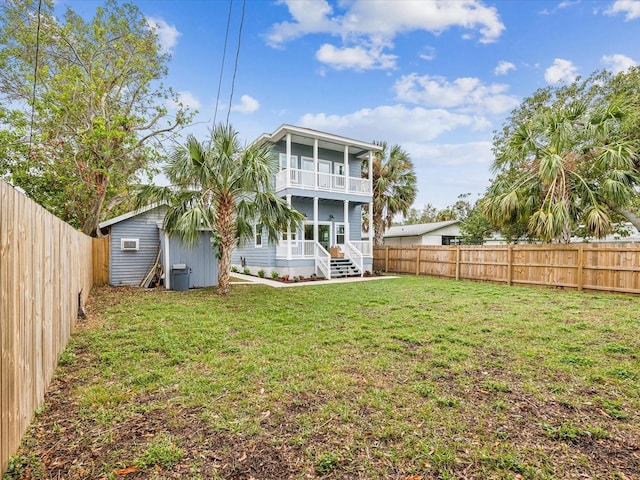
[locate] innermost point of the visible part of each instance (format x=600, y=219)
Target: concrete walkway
x=250, y=279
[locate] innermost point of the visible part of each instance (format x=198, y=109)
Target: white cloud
x=167, y=34
x=395, y=123
x=459, y=154
x=618, y=63
x=356, y=58
x=561, y=71
x=503, y=68
x=309, y=16
x=247, y=105
x=429, y=53
x=185, y=98
x=366, y=27
x=631, y=9
x=466, y=94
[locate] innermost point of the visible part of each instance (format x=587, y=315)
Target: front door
x=324, y=234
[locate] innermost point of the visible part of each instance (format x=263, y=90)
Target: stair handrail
x=322, y=260
x=355, y=255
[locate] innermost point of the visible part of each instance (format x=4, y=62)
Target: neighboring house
x=319, y=174
x=136, y=240
x=625, y=233
x=436, y=233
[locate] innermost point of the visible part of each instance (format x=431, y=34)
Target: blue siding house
x=319, y=174
x=137, y=238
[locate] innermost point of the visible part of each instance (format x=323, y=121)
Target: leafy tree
x=427, y=214
x=394, y=187
x=566, y=158
x=98, y=107
x=223, y=188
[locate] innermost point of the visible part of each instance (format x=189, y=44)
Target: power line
x=235, y=68
x=224, y=54
x=35, y=77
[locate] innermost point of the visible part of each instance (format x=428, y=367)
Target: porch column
x=347, y=238
x=289, y=232
x=288, y=151
x=346, y=171
x=315, y=165
x=315, y=218
x=371, y=225
x=370, y=172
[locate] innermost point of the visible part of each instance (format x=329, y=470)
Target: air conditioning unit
x=129, y=244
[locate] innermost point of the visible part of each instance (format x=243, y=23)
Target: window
x=294, y=236
x=258, y=236
x=340, y=233
x=283, y=161
x=450, y=240
x=338, y=168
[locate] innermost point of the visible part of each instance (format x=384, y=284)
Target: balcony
x=326, y=182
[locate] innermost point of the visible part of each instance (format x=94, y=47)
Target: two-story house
x=320, y=175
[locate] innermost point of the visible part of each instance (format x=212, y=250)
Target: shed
x=436, y=233
x=137, y=240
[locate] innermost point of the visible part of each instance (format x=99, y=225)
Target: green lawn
x=413, y=378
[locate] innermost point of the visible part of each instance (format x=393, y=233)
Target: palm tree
x=394, y=186
x=563, y=167
x=223, y=188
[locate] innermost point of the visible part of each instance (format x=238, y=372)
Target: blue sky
x=437, y=77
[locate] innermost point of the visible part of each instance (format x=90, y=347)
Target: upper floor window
x=283, y=161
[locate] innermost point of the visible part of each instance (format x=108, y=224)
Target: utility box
x=180, y=276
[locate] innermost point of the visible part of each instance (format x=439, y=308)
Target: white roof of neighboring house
x=417, y=229
x=131, y=214
x=305, y=136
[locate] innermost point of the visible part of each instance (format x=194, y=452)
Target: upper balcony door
x=324, y=174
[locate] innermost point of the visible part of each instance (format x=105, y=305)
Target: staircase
x=343, y=267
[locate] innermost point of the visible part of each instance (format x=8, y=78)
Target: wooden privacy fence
x=101, y=251
x=44, y=264
x=584, y=266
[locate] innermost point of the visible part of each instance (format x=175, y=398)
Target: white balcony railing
x=364, y=247
x=328, y=182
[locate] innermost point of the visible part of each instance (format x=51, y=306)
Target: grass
x=410, y=378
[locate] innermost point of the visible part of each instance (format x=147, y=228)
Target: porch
x=320, y=181
x=347, y=259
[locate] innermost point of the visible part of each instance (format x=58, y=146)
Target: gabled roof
x=417, y=229
x=306, y=136
x=131, y=214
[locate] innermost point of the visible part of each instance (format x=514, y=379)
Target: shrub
x=234, y=269
x=261, y=273
x=246, y=271
x=275, y=275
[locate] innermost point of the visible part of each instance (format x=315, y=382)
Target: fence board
x=101, y=254
x=44, y=264
x=613, y=267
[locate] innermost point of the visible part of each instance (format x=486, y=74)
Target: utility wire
x=35, y=77
x=224, y=54
x=235, y=68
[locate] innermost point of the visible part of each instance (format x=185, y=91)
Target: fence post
x=418, y=262
x=386, y=258
x=509, y=265
x=580, y=264
x=458, y=262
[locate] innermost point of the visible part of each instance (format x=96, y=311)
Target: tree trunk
x=90, y=225
x=378, y=229
x=630, y=216
x=227, y=231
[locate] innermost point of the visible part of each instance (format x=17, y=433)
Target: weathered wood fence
x=611, y=267
x=44, y=265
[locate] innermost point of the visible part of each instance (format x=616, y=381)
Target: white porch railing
x=306, y=249
x=355, y=255
x=329, y=182
x=323, y=260
x=364, y=247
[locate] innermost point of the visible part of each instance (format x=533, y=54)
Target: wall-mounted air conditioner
x=129, y=244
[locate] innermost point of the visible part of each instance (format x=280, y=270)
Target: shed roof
x=131, y=214
x=417, y=229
